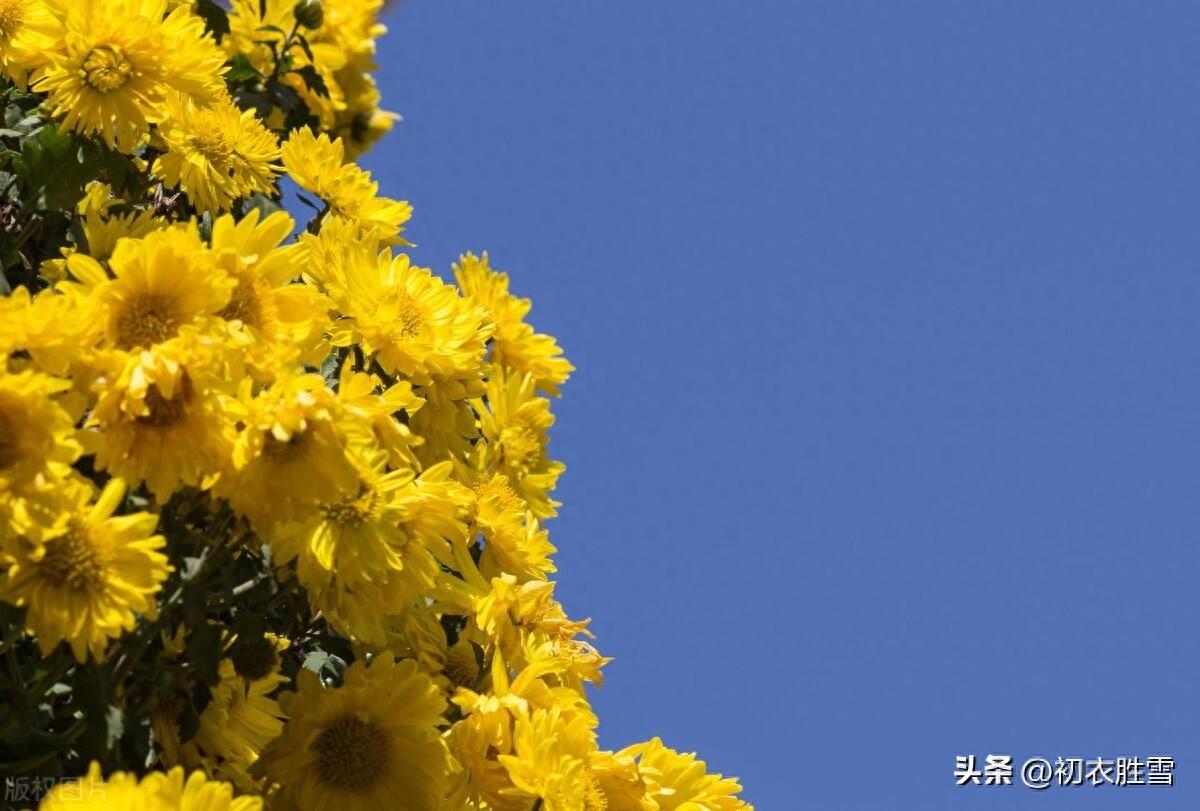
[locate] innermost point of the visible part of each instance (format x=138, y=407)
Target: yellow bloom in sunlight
x=163, y=282
x=291, y=455
x=515, y=346
x=278, y=323
x=549, y=761
x=446, y=426
x=513, y=540
x=319, y=165
x=116, y=61
x=352, y=26
x=160, y=415
x=35, y=431
x=28, y=28
x=681, y=782
x=87, y=584
x=157, y=791
x=56, y=330
x=515, y=422
x=378, y=552
x=619, y=783
x=216, y=153
x=363, y=396
x=240, y=720
x=370, y=743
x=414, y=324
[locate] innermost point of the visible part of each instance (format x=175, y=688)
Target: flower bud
x=309, y=13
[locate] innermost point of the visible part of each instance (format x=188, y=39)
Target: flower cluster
x=272, y=496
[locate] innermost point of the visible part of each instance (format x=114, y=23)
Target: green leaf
x=313, y=80
x=241, y=69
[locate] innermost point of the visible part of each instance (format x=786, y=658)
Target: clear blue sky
x=885, y=438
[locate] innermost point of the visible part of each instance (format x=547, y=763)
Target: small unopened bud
x=309, y=13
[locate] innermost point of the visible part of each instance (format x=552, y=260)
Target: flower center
x=163, y=412
x=521, y=446
x=211, y=142
x=12, y=14
x=106, y=68
x=406, y=318
x=462, y=669
x=73, y=561
x=149, y=319
x=352, y=754
x=497, y=485
x=351, y=512
x=244, y=305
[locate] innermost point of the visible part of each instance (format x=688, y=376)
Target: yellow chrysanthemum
x=515, y=422
x=319, y=165
x=370, y=743
x=377, y=553
x=291, y=454
x=447, y=426
x=88, y=584
x=278, y=323
x=156, y=791
x=352, y=26
x=28, y=29
x=162, y=283
x=240, y=720
x=549, y=761
x=680, y=782
x=160, y=415
x=619, y=782
x=117, y=60
x=364, y=396
x=216, y=153
x=414, y=324
x=515, y=346
x=34, y=428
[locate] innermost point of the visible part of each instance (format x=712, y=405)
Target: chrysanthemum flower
x=363, y=396
x=88, y=584
x=447, y=426
x=162, y=283
x=515, y=422
x=156, y=791
x=28, y=29
x=240, y=719
x=513, y=540
x=160, y=416
x=277, y=323
x=291, y=454
x=681, y=781
x=35, y=430
x=370, y=743
x=319, y=165
x=515, y=345
x=414, y=324
x=376, y=552
x=549, y=761
x=116, y=61
x=216, y=152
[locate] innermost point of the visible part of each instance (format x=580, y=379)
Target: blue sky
x=883, y=445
